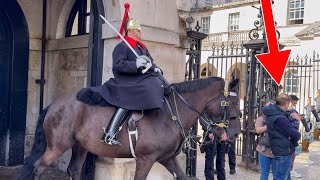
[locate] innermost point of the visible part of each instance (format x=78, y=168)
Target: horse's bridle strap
x=186, y=102
x=223, y=103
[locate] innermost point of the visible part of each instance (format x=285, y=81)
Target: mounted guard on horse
x=131, y=89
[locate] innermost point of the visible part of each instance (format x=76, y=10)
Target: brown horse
x=69, y=123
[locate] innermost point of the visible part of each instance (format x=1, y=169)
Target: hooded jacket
x=281, y=133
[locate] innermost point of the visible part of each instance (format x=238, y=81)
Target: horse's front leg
x=143, y=166
x=172, y=165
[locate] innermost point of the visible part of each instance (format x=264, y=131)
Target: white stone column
x=124, y=169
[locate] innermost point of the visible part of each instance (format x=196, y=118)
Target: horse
x=68, y=123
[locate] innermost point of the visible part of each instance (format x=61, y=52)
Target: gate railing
x=301, y=78
x=235, y=36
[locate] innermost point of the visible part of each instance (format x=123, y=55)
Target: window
x=208, y=1
x=292, y=83
x=234, y=22
x=296, y=11
x=79, y=18
x=205, y=23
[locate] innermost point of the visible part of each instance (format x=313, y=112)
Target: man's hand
x=295, y=116
x=142, y=61
x=211, y=136
x=224, y=136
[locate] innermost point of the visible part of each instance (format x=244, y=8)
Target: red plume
x=124, y=19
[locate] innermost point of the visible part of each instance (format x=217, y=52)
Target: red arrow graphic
x=275, y=61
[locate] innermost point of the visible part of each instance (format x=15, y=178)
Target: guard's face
x=135, y=34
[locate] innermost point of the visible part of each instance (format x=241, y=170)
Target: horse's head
x=224, y=109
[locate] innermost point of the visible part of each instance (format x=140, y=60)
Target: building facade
x=229, y=23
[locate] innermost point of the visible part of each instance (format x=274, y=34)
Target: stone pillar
x=124, y=169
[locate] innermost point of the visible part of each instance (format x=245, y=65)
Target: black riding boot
x=109, y=136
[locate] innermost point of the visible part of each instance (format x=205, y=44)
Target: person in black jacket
x=131, y=88
x=282, y=135
x=213, y=147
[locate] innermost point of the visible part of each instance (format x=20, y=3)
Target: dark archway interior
x=14, y=61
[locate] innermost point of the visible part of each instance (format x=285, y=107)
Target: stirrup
x=109, y=138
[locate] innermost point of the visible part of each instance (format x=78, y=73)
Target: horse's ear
x=233, y=85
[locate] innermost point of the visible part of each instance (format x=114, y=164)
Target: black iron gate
x=192, y=72
x=236, y=60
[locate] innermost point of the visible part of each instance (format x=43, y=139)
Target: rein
x=176, y=118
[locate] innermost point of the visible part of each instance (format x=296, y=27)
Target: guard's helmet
x=128, y=23
x=132, y=25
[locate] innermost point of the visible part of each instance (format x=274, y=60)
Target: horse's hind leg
x=49, y=156
x=172, y=165
x=76, y=162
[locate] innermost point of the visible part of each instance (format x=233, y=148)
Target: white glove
x=157, y=70
x=141, y=62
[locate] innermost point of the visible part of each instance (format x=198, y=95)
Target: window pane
x=291, y=4
x=87, y=24
x=302, y=14
x=205, y=24
x=297, y=4
x=88, y=6
x=291, y=15
x=234, y=21
x=75, y=25
x=297, y=14
x=294, y=89
x=294, y=82
x=288, y=89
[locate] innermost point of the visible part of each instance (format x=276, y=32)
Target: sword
x=149, y=64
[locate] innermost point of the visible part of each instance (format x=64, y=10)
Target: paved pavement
x=308, y=172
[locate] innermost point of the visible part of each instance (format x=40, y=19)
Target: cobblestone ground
x=308, y=172
x=10, y=173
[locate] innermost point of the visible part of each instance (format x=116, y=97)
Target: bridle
x=175, y=115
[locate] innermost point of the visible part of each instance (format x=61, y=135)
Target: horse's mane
x=191, y=86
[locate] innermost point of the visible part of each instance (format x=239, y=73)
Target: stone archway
x=207, y=70
x=237, y=71
x=14, y=62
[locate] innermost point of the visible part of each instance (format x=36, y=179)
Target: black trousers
x=215, y=149
x=232, y=155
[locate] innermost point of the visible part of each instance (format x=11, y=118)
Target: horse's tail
x=38, y=148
